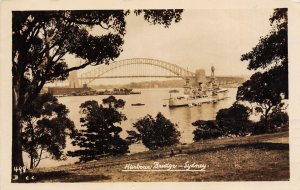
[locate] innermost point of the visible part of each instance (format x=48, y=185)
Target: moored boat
x=137, y=104
x=173, y=91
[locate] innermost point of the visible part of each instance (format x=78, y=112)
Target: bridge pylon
x=73, y=80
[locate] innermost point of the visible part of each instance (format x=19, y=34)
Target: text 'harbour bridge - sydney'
x=146, y=68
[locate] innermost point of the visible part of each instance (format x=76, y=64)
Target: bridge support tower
x=73, y=80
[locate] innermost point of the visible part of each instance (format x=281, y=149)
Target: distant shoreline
x=225, y=82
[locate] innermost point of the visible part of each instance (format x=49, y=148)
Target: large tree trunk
x=17, y=158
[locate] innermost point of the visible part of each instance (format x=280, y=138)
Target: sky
x=201, y=39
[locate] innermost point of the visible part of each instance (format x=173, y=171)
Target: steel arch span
x=175, y=70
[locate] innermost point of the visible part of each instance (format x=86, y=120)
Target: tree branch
x=87, y=22
x=78, y=67
x=58, y=58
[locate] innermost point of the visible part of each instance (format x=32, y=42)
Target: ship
x=204, y=92
x=197, y=98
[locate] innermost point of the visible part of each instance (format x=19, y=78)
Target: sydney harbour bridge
x=146, y=68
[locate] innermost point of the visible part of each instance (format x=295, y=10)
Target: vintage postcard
x=161, y=93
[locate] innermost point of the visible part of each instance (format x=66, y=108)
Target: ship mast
x=212, y=75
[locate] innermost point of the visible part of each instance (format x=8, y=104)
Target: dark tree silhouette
x=267, y=88
x=155, y=132
x=278, y=119
x=271, y=53
x=100, y=136
x=206, y=130
x=45, y=128
x=42, y=39
x=263, y=93
x=234, y=120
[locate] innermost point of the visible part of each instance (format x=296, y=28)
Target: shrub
x=278, y=120
x=206, y=130
x=234, y=120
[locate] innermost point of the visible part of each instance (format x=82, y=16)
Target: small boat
x=137, y=104
x=174, y=91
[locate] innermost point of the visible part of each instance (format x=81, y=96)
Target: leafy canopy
x=270, y=55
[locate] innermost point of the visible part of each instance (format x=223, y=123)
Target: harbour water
x=154, y=99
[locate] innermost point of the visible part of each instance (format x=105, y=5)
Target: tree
x=206, y=130
x=45, y=128
x=262, y=91
x=100, y=136
x=234, y=120
x=155, y=133
x=266, y=89
x=229, y=121
x=271, y=53
x=42, y=39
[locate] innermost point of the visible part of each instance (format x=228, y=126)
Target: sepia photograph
x=150, y=95
x=113, y=95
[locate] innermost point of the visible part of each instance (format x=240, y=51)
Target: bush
x=155, y=133
x=234, y=120
x=206, y=130
x=278, y=120
x=229, y=121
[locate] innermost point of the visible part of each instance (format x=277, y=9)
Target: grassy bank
x=253, y=158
